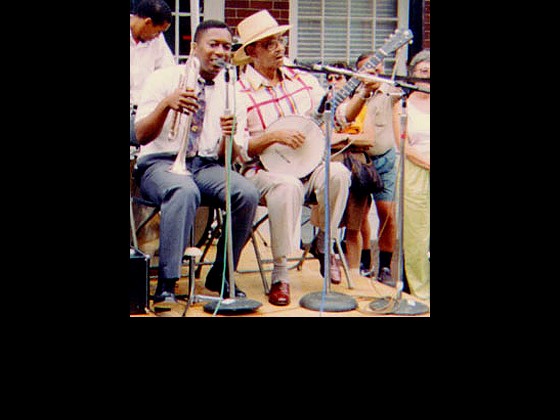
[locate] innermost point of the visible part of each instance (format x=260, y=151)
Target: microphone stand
x=232, y=304
x=318, y=68
x=396, y=305
x=326, y=300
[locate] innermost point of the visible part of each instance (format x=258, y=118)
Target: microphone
x=369, y=77
x=220, y=62
x=321, y=108
x=298, y=67
x=319, y=68
x=364, y=76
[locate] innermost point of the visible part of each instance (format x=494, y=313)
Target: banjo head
x=298, y=162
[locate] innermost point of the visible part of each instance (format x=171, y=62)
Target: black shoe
x=216, y=286
x=365, y=271
x=386, y=278
x=334, y=263
x=164, y=301
x=314, y=250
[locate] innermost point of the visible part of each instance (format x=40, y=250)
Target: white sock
x=280, y=270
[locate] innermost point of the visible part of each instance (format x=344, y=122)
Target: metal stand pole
x=231, y=305
x=327, y=301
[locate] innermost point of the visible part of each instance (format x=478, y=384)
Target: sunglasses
x=333, y=77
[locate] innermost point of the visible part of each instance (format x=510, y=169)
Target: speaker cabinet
x=138, y=282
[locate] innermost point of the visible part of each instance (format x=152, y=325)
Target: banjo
x=298, y=162
x=302, y=161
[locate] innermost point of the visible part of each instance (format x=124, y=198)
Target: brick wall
x=426, y=25
x=237, y=10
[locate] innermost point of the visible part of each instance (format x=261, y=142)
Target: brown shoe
x=336, y=277
x=279, y=294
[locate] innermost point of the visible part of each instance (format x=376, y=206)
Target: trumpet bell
x=179, y=168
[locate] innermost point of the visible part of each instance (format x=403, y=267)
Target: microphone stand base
x=231, y=306
x=328, y=302
x=387, y=306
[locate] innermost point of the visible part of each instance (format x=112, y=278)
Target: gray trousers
x=179, y=196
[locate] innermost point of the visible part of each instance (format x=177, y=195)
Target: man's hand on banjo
x=290, y=138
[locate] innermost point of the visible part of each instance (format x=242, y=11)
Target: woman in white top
x=416, y=226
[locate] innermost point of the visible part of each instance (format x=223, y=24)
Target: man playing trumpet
x=202, y=179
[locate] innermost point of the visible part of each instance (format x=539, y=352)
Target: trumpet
x=188, y=81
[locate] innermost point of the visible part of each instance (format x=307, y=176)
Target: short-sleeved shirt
x=377, y=111
x=145, y=58
x=162, y=83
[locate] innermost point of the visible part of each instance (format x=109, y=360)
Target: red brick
x=258, y=5
x=236, y=4
x=243, y=13
x=281, y=5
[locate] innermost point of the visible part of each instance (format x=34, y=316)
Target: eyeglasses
x=272, y=44
x=333, y=77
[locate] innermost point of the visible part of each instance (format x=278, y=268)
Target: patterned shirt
x=299, y=93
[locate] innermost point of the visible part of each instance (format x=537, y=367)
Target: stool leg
x=133, y=226
x=259, y=262
x=190, y=297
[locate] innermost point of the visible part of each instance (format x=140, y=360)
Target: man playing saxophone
x=196, y=147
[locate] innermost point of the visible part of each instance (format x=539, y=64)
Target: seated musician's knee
x=340, y=173
x=183, y=196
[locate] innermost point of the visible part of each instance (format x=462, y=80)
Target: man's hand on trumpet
x=183, y=100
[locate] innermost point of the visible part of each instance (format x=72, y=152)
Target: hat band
x=255, y=38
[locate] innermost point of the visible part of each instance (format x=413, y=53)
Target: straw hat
x=253, y=28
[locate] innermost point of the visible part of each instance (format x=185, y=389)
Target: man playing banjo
x=281, y=103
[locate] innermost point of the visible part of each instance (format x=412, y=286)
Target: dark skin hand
x=290, y=138
x=183, y=100
x=228, y=130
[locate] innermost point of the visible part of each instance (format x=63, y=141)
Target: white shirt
x=418, y=129
x=162, y=83
x=145, y=58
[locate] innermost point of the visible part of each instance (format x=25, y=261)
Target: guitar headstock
x=399, y=38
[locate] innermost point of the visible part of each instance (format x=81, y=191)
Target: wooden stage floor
x=305, y=280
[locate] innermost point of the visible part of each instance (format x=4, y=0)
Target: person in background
x=351, y=139
x=375, y=112
x=180, y=195
x=416, y=227
x=148, y=49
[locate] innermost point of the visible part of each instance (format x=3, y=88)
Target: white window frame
x=401, y=20
x=213, y=9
